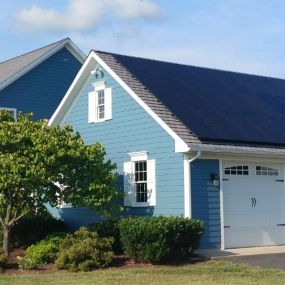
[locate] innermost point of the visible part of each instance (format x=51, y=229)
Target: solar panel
x=216, y=105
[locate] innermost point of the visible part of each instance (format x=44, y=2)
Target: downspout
x=195, y=157
x=187, y=184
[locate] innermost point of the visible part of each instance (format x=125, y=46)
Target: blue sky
x=239, y=35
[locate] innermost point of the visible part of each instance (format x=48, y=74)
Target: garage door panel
x=253, y=204
x=245, y=237
x=237, y=219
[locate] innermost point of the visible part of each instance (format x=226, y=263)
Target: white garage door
x=254, y=203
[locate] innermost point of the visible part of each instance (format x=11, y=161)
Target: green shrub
x=159, y=239
x=84, y=250
x=3, y=260
x=43, y=252
x=109, y=228
x=27, y=263
x=30, y=230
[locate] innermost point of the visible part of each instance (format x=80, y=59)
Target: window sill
x=140, y=205
x=100, y=121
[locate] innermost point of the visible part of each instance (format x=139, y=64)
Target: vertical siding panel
x=206, y=201
x=131, y=129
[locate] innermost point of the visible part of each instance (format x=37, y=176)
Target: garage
x=253, y=204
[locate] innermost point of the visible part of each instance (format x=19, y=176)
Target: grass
x=206, y=273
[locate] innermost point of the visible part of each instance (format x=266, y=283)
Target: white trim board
x=72, y=48
x=222, y=205
x=243, y=157
x=73, y=92
x=187, y=187
x=57, y=117
x=237, y=150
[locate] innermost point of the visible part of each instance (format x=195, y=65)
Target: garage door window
x=266, y=171
x=237, y=170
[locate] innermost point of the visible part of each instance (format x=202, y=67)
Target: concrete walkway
x=248, y=251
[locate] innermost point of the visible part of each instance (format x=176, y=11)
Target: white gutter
x=239, y=150
x=187, y=184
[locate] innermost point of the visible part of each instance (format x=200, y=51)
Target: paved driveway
x=276, y=260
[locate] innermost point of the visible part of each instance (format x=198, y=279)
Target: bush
x=41, y=253
x=109, y=228
x=84, y=250
x=159, y=239
x=30, y=230
x=3, y=260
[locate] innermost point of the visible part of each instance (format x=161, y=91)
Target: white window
x=139, y=180
x=237, y=170
x=100, y=103
x=266, y=171
x=13, y=111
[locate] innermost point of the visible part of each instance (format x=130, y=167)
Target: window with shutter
x=139, y=181
x=100, y=103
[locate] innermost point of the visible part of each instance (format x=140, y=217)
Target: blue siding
x=206, y=201
x=131, y=129
x=41, y=90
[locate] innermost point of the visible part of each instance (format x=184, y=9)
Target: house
x=191, y=141
x=37, y=81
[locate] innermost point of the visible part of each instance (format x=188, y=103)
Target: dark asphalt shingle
x=207, y=105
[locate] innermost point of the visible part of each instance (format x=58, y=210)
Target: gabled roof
x=12, y=69
x=216, y=106
x=200, y=106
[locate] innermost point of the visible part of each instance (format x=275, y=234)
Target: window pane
x=237, y=170
x=140, y=181
x=101, y=112
x=141, y=193
x=266, y=171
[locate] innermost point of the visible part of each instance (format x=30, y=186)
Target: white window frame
x=99, y=86
x=12, y=110
x=100, y=105
x=93, y=103
x=129, y=180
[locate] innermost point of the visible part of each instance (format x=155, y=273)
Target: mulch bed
x=121, y=261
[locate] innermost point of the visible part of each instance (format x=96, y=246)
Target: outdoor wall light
x=98, y=71
x=215, y=179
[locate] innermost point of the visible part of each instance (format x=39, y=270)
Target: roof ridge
x=190, y=65
x=37, y=49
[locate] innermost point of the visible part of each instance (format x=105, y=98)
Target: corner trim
x=222, y=205
x=187, y=188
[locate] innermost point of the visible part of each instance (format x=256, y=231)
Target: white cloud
x=82, y=15
x=78, y=15
x=133, y=9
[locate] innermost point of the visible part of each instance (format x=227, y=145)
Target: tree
x=41, y=164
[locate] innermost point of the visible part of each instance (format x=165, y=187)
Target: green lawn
x=208, y=273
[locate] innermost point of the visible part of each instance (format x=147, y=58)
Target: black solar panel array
x=216, y=105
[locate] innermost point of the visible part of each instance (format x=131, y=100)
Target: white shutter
x=108, y=103
x=128, y=183
x=92, y=107
x=151, y=185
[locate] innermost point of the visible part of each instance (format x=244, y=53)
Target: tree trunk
x=6, y=240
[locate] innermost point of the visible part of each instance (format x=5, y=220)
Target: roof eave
x=239, y=150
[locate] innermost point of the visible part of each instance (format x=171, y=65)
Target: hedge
x=159, y=239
